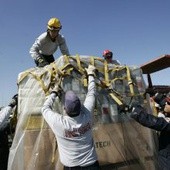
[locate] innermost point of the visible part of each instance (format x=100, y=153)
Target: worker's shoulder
x=42, y=36
x=60, y=37
x=116, y=62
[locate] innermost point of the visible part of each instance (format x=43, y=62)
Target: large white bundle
x=119, y=140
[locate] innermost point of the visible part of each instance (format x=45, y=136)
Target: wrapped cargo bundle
x=120, y=142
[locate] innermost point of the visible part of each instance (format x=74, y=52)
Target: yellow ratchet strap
x=53, y=72
x=106, y=74
x=38, y=78
x=92, y=62
x=130, y=83
x=116, y=99
x=23, y=76
x=81, y=70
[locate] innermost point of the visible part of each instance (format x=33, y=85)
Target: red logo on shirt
x=77, y=131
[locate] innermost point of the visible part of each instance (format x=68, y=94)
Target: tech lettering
x=102, y=144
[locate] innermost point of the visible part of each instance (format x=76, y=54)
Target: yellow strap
x=81, y=70
x=130, y=83
x=66, y=62
x=99, y=59
x=128, y=74
x=68, y=67
x=116, y=99
x=25, y=74
x=106, y=73
x=35, y=122
x=118, y=68
x=45, y=89
x=38, y=78
x=92, y=62
x=66, y=59
x=78, y=61
x=53, y=73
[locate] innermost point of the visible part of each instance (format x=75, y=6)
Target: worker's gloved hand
x=14, y=101
x=41, y=62
x=123, y=108
x=90, y=70
x=56, y=90
x=136, y=110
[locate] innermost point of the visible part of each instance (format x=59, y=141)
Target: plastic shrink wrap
x=121, y=143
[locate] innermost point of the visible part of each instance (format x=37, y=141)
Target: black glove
x=136, y=110
x=41, y=62
x=14, y=101
x=123, y=108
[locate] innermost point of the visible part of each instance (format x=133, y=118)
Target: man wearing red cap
x=73, y=129
x=108, y=56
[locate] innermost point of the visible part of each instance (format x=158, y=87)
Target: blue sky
x=137, y=31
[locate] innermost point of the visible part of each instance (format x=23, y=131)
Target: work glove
x=14, y=101
x=41, y=62
x=136, y=110
x=90, y=70
x=123, y=108
x=56, y=90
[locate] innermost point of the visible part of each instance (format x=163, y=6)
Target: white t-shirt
x=44, y=45
x=74, y=134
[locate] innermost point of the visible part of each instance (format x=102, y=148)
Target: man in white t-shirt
x=73, y=129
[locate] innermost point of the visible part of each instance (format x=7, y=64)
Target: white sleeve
x=63, y=46
x=90, y=97
x=36, y=47
x=49, y=115
x=34, y=50
x=4, y=114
